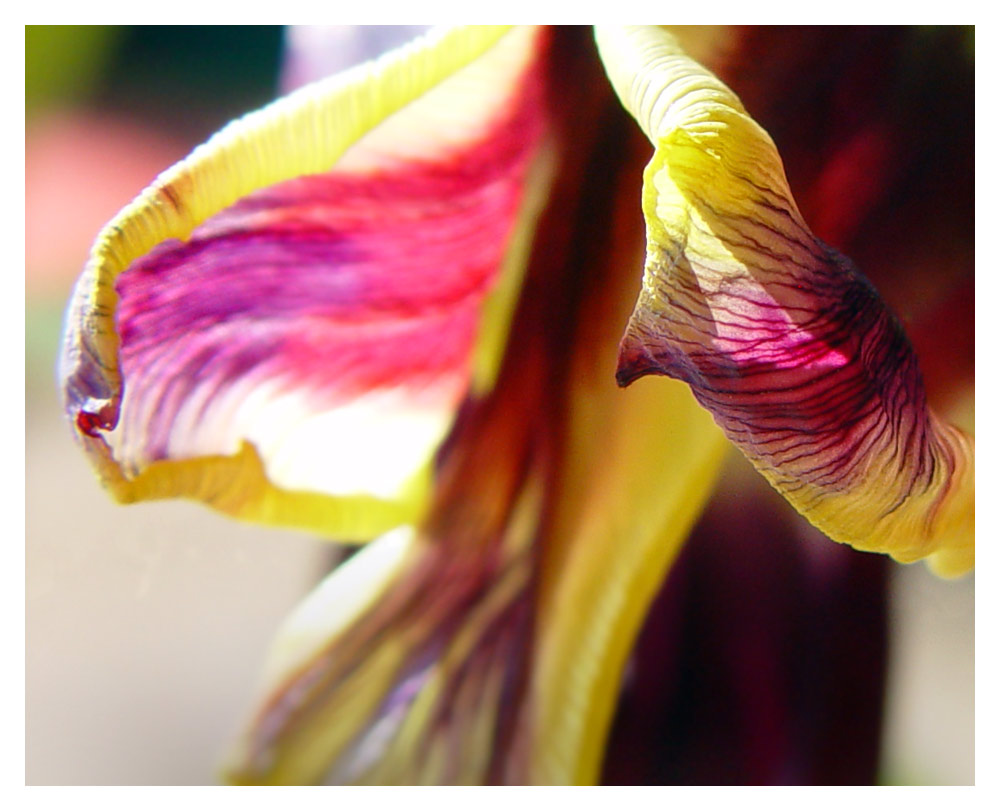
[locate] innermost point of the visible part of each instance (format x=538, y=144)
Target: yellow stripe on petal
x=639, y=465
x=656, y=455
x=778, y=335
x=284, y=323
x=238, y=485
x=393, y=672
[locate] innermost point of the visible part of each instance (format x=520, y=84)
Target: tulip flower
x=388, y=310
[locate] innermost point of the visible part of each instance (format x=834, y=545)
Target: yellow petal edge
x=301, y=134
x=714, y=165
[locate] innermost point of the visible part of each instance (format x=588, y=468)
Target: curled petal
x=777, y=334
x=284, y=323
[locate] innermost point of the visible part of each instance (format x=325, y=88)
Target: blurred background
x=146, y=625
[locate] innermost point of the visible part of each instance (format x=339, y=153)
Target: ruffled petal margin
x=777, y=334
x=284, y=323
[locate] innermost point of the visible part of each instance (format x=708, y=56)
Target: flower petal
x=779, y=336
x=288, y=342
x=397, y=669
x=762, y=660
x=384, y=663
x=632, y=483
x=494, y=651
x=614, y=561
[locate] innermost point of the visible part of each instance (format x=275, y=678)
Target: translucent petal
x=778, y=335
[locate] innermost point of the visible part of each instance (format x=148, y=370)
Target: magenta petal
x=314, y=338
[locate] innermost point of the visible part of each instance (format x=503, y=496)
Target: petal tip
x=634, y=360
x=91, y=420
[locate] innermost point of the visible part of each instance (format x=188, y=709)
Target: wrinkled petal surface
x=779, y=336
x=289, y=341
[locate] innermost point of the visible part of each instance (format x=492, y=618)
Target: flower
x=386, y=307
